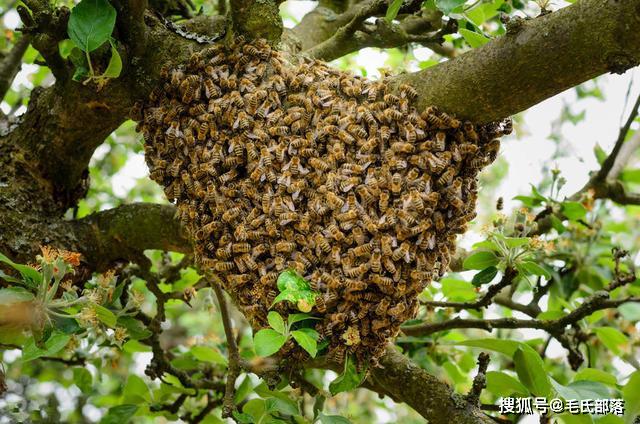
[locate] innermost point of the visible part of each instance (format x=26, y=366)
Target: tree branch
x=543, y=57
x=11, y=64
x=234, y=356
x=403, y=380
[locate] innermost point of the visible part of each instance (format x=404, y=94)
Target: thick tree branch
x=256, y=19
x=535, y=61
x=405, y=381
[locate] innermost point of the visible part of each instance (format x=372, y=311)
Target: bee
x=396, y=183
x=375, y=262
x=382, y=306
x=323, y=243
x=438, y=219
x=240, y=247
x=401, y=252
x=447, y=177
x=335, y=232
x=401, y=147
x=392, y=115
x=285, y=247
x=468, y=149
x=500, y=203
x=492, y=149
x=347, y=216
x=397, y=311
x=318, y=164
x=391, y=99
x=408, y=91
x=222, y=266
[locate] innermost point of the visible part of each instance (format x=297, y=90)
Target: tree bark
x=535, y=60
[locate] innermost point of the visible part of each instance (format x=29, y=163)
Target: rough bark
x=535, y=60
x=402, y=379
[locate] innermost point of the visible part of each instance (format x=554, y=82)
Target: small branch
x=11, y=63
x=480, y=380
x=47, y=26
x=234, y=356
x=608, y=163
x=485, y=300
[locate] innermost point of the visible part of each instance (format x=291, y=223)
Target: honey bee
x=400, y=147
x=408, y=91
x=382, y=306
x=335, y=232
x=323, y=243
x=222, y=266
x=375, y=262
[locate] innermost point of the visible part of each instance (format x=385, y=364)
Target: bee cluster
x=275, y=166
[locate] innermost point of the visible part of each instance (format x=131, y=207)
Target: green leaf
x=105, y=316
x=31, y=275
x=481, y=260
x=448, y=6
x=612, y=338
x=480, y=14
x=114, y=68
x=307, y=338
x=630, y=311
x=134, y=346
x=574, y=210
x=582, y=390
x=293, y=318
x=593, y=374
x=208, y=354
x=276, y=322
x=13, y=295
x=256, y=408
x=54, y=344
x=506, y=347
x=485, y=276
x=393, y=9
x=557, y=224
x=600, y=154
x=91, y=24
x=136, y=329
x=9, y=279
x=268, y=341
x=458, y=290
x=504, y=385
x=528, y=201
x=530, y=369
x=120, y=414
x=83, y=379
x=136, y=390
x=290, y=280
x=532, y=268
x=348, y=380
x=79, y=60
x=245, y=388
x=513, y=242
x=473, y=38
x=631, y=398
x=333, y=419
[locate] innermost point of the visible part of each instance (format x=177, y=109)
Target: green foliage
x=90, y=26
x=295, y=289
x=269, y=341
x=349, y=379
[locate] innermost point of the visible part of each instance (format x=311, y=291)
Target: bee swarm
x=275, y=166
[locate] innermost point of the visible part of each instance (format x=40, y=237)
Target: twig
x=234, y=357
x=484, y=301
x=11, y=63
x=480, y=380
x=608, y=163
